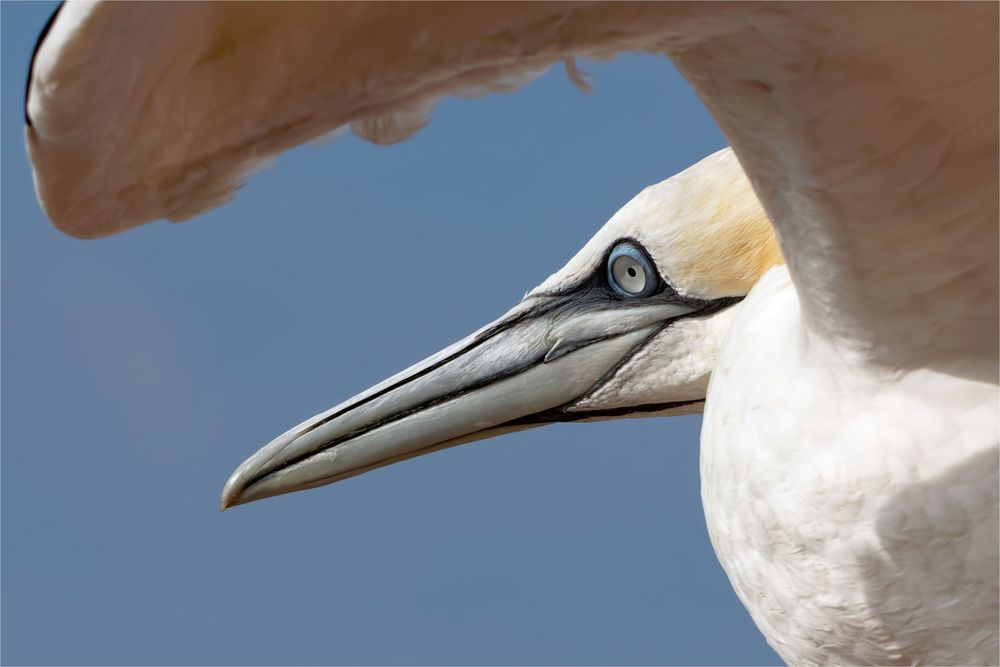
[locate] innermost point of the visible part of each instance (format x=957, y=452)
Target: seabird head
x=630, y=326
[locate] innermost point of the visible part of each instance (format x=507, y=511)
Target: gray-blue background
x=139, y=370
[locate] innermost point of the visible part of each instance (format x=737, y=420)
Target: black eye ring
x=630, y=273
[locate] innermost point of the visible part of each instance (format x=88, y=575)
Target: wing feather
x=139, y=111
x=869, y=130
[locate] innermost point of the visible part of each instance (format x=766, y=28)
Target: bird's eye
x=630, y=273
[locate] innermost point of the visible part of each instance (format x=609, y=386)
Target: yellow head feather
x=704, y=228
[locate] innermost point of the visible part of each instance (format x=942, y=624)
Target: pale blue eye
x=630, y=273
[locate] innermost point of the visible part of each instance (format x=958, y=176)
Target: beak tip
x=226, y=502
x=231, y=492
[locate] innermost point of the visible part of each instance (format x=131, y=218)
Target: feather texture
x=850, y=448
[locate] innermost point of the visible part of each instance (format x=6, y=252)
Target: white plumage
x=849, y=452
x=854, y=507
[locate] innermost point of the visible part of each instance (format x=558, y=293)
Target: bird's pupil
x=631, y=272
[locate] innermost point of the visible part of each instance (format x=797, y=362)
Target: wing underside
x=869, y=131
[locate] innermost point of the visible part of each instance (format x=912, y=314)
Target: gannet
x=849, y=448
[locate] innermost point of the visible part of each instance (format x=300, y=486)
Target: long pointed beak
x=525, y=369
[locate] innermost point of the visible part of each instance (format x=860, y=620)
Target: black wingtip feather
x=34, y=54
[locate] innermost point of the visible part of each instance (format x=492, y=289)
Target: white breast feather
x=854, y=513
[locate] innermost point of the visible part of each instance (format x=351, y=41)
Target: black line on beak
x=500, y=327
x=558, y=414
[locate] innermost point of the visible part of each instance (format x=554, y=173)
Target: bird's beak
x=525, y=369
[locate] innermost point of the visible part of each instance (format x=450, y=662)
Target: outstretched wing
x=869, y=131
x=139, y=111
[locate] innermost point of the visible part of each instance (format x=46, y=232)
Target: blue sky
x=139, y=370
